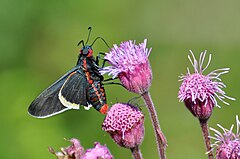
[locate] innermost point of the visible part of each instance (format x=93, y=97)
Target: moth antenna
x=81, y=42
x=90, y=30
x=102, y=40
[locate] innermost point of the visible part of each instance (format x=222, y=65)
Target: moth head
x=86, y=51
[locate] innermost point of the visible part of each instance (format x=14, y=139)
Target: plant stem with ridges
x=160, y=138
x=205, y=132
x=136, y=153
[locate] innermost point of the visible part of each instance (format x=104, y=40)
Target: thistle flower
x=130, y=64
x=198, y=91
x=227, y=144
x=75, y=151
x=98, y=152
x=124, y=123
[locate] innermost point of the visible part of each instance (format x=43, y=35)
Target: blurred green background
x=38, y=44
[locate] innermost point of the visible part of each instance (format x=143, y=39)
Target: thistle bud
x=124, y=123
x=227, y=144
x=200, y=92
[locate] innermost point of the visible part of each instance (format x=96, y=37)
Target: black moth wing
x=47, y=103
x=73, y=92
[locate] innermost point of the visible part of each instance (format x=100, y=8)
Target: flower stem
x=160, y=138
x=136, y=153
x=205, y=132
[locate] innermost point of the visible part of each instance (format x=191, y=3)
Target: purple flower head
x=227, y=144
x=198, y=91
x=75, y=151
x=98, y=152
x=124, y=123
x=131, y=65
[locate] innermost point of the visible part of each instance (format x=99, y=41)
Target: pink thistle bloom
x=75, y=151
x=98, y=152
x=131, y=65
x=227, y=144
x=124, y=123
x=198, y=91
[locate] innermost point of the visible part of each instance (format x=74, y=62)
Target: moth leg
x=108, y=83
x=99, y=57
x=110, y=79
